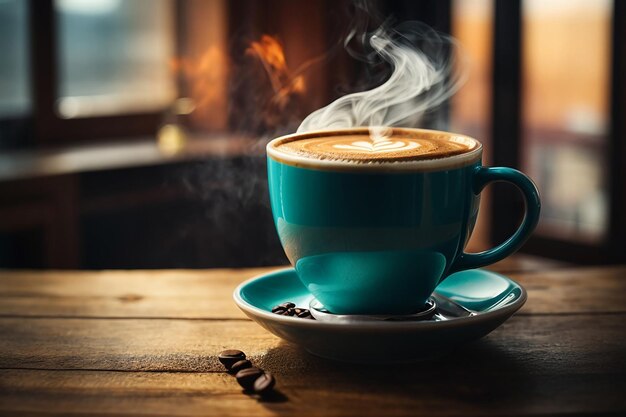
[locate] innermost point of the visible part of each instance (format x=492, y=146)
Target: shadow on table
x=477, y=373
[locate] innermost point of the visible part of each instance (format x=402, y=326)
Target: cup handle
x=481, y=178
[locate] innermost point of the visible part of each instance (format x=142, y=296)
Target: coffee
x=360, y=146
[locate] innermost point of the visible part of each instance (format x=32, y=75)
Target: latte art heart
x=378, y=146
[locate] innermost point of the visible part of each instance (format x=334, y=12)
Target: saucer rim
x=489, y=316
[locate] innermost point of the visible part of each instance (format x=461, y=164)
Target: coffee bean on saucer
x=287, y=304
x=247, y=377
x=288, y=312
x=238, y=366
x=279, y=310
x=304, y=314
x=264, y=383
x=230, y=356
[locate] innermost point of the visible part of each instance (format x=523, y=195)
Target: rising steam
x=423, y=76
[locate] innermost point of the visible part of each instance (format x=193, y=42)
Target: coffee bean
x=246, y=377
x=279, y=309
x=304, y=314
x=284, y=310
x=287, y=304
x=230, y=356
x=264, y=383
x=238, y=366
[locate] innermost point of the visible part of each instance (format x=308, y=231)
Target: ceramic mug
x=378, y=240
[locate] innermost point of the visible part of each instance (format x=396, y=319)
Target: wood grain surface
x=145, y=342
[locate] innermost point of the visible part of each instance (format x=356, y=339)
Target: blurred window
x=565, y=112
x=472, y=22
x=14, y=65
x=114, y=56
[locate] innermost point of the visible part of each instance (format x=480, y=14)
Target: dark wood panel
x=47, y=207
x=617, y=147
x=168, y=214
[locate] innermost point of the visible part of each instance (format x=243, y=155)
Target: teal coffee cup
x=374, y=229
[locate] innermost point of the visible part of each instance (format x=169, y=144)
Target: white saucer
x=490, y=299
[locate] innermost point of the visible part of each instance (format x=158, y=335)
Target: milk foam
x=357, y=148
x=362, y=148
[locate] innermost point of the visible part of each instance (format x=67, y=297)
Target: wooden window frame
x=50, y=129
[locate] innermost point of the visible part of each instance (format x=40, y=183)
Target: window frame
x=50, y=129
x=507, y=127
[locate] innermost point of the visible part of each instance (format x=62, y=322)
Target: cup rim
x=418, y=165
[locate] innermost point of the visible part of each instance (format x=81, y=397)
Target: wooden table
x=145, y=342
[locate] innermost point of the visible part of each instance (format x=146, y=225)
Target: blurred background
x=132, y=132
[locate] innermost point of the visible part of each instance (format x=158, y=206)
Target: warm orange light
x=205, y=75
x=270, y=51
x=284, y=83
